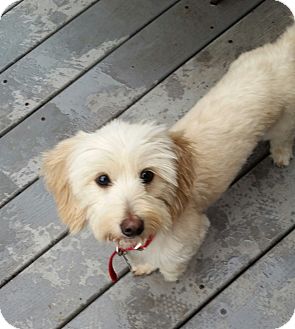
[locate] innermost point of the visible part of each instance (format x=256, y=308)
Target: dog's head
x=128, y=181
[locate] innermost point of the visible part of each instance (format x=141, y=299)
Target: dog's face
x=124, y=180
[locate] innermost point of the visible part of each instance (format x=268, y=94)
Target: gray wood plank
x=57, y=284
x=68, y=53
x=251, y=216
x=113, y=85
x=29, y=225
x=191, y=70
x=32, y=21
x=262, y=298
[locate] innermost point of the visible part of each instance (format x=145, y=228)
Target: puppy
x=133, y=182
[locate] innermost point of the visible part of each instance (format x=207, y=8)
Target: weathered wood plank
x=32, y=21
x=262, y=298
x=57, y=284
x=193, y=73
x=29, y=224
x=250, y=217
x=113, y=85
x=68, y=53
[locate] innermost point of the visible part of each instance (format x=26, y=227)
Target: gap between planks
x=6, y=67
x=38, y=255
x=91, y=300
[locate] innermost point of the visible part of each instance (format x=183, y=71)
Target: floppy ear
x=185, y=171
x=55, y=172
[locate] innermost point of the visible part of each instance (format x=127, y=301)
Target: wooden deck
x=69, y=65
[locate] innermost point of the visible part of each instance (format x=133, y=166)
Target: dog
x=136, y=181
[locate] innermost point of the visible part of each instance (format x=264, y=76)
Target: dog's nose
x=132, y=226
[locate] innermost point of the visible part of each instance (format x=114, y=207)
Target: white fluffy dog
x=130, y=182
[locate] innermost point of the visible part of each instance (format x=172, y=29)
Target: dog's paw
x=142, y=269
x=282, y=156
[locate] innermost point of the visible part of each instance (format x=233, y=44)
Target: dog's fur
x=194, y=162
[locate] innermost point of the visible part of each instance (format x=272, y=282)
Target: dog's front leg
x=182, y=244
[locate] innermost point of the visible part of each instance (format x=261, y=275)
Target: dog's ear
x=55, y=172
x=185, y=171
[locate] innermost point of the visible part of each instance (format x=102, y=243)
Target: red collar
x=122, y=252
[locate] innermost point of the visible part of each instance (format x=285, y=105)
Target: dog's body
x=134, y=181
x=255, y=100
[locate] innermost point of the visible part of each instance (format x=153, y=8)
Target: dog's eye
x=103, y=180
x=147, y=176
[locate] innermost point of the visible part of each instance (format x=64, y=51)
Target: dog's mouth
x=121, y=238
x=126, y=242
